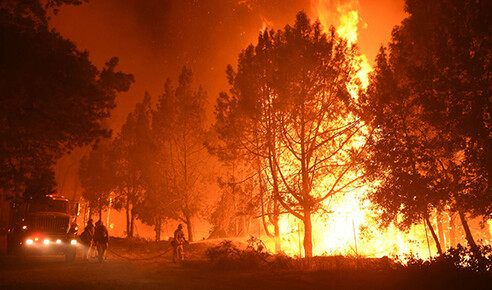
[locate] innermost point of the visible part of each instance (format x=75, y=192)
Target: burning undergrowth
x=229, y=255
x=233, y=256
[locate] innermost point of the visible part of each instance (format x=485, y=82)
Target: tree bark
x=469, y=238
x=440, y=229
x=276, y=237
x=127, y=210
x=452, y=229
x=308, y=234
x=189, y=226
x=132, y=223
x=276, y=210
x=436, y=239
x=157, y=228
x=91, y=210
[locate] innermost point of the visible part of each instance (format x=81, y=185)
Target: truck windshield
x=49, y=205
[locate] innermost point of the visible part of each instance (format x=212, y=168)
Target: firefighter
x=86, y=238
x=101, y=239
x=177, y=243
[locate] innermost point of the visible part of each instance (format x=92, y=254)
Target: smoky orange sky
x=155, y=38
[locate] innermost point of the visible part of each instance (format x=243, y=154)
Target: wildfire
x=346, y=227
x=265, y=23
x=345, y=16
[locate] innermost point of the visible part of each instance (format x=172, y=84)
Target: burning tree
x=292, y=91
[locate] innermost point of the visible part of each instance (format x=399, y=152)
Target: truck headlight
x=29, y=242
x=46, y=242
x=73, y=242
x=58, y=241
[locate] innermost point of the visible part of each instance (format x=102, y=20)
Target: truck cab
x=44, y=225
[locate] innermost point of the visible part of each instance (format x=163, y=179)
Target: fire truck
x=43, y=226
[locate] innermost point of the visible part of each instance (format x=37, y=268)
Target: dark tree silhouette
x=438, y=70
x=400, y=160
x=52, y=97
x=179, y=120
x=247, y=129
x=97, y=176
x=132, y=147
x=153, y=208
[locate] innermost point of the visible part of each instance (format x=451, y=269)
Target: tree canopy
x=429, y=104
x=52, y=97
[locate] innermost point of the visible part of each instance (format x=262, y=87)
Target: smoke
x=155, y=38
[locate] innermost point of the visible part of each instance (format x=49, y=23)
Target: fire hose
x=140, y=259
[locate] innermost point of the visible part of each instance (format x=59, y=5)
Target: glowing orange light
x=341, y=228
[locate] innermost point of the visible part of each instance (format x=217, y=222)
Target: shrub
x=461, y=258
x=228, y=256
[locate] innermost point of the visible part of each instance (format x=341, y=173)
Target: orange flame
x=345, y=17
x=346, y=226
x=265, y=23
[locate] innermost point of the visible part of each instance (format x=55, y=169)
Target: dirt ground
x=52, y=272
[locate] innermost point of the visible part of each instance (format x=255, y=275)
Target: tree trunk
x=127, y=210
x=157, y=228
x=132, y=224
x=100, y=212
x=276, y=237
x=452, y=229
x=308, y=234
x=469, y=238
x=3, y=221
x=276, y=226
x=440, y=229
x=273, y=219
x=189, y=226
x=438, y=245
x=91, y=210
